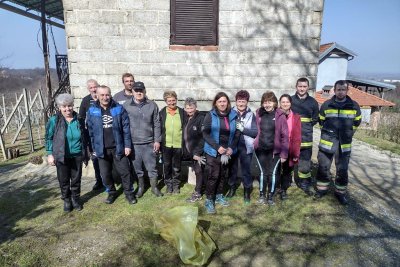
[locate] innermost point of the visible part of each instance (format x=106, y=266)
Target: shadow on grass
x=22, y=203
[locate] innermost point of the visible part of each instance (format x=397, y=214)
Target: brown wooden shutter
x=194, y=22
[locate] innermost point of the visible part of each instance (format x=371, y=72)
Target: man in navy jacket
x=109, y=131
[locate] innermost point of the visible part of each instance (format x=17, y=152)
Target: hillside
x=13, y=80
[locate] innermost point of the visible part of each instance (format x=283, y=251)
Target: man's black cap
x=138, y=86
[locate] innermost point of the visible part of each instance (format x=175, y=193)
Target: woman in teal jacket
x=66, y=149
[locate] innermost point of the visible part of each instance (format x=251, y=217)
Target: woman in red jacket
x=294, y=127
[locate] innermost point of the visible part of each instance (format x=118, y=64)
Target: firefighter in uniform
x=339, y=118
x=307, y=107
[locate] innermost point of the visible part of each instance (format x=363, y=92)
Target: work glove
x=225, y=159
x=240, y=126
x=201, y=160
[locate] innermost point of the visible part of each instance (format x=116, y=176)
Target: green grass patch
x=296, y=232
x=363, y=135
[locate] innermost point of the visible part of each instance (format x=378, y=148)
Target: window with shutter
x=194, y=22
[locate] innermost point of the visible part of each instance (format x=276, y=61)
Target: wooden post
x=4, y=111
x=3, y=149
x=28, y=117
x=46, y=55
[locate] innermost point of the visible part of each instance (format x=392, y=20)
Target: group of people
x=128, y=133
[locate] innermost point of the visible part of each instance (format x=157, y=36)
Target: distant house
x=333, y=61
x=370, y=104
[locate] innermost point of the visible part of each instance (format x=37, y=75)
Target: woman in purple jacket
x=271, y=145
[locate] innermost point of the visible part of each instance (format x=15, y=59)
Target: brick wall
x=263, y=45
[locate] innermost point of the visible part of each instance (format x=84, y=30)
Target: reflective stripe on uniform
x=322, y=118
x=358, y=118
x=325, y=144
x=345, y=147
x=340, y=187
x=350, y=114
x=305, y=119
x=304, y=175
x=355, y=127
x=322, y=186
x=306, y=144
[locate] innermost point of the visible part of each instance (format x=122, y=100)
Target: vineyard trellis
x=27, y=111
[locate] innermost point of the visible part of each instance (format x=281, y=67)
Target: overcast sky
x=370, y=28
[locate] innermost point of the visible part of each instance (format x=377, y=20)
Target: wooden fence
x=28, y=112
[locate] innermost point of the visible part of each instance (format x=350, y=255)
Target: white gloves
x=200, y=159
x=225, y=159
x=240, y=126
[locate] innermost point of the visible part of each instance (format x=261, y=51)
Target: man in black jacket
x=307, y=107
x=87, y=101
x=339, y=118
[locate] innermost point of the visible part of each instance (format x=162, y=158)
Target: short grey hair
x=92, y=81
x=190, y=102
x=64, y=100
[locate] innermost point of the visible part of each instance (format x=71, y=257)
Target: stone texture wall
x=263, y=45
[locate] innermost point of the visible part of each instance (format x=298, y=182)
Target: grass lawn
x=298, y=232
x=362, y=135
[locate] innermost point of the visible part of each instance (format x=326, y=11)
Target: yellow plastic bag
x=179, y=227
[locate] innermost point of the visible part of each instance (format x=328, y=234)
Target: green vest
x=173, y=130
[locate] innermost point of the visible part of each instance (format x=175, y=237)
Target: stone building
x=256, y=45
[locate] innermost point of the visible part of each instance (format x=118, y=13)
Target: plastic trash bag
x=179, y=227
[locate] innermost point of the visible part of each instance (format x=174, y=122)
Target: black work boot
x=76, y=203
x=319, y=194
x=246, y=195
x=131, y=199
x=283, y=195
x=140, y=187
x=231, y=192
x=342, y=198
x=67, y=205
x=154, y=189
x=110, y=199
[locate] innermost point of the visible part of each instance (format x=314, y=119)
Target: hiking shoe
x=131, y=199
x=220, y=199
x=270, y=199
x=262, y=200
x=194, y=198
x=342, y=198
x=210, y=208
x=110, y=199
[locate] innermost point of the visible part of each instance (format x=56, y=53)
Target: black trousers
x=199, y=171
x=216, y=173
x=286, y=177
x=121, y=165
x=172, y=166
x=304, y=167
x=69, y=176
x=270, y=167
x=324, y=166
